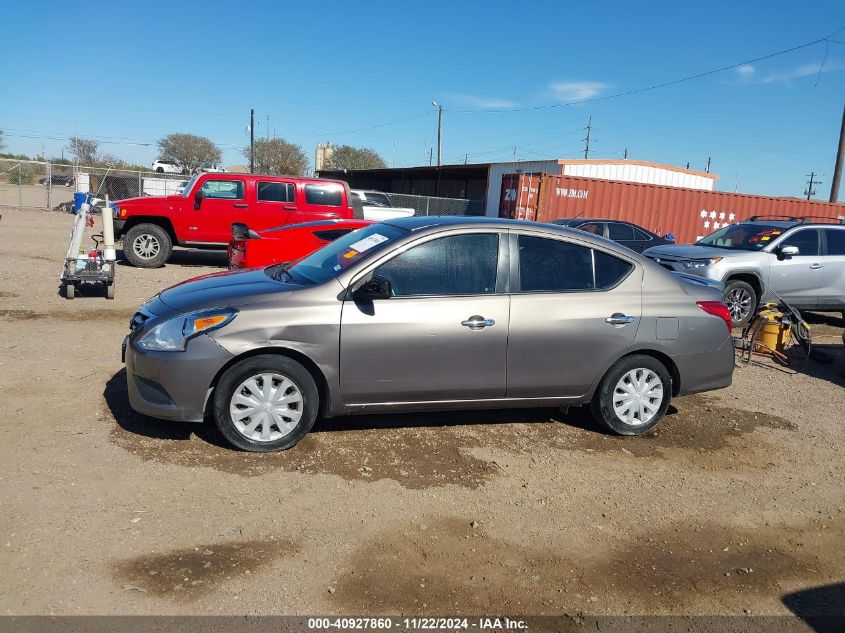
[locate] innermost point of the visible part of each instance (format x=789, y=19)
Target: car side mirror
x=785, y=252
x=375, y=288
x=198, y=197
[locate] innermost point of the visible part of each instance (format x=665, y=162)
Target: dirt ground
x=733, y=502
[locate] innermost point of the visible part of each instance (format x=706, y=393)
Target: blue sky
x=128, y=73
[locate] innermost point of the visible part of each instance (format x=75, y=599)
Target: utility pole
x=439, y=132
x=810, y=192
x=837, y=169
x=625, y=154
x=268, y=127
x=587, y=140
x=251, y=141
x=708, y=165
x=430, y=152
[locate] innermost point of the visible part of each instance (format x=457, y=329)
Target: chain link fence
x=50, y=185
x=431, y=205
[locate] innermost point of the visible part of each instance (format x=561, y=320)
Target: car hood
x=224, y=289
x=687, y=251
x=147, y=201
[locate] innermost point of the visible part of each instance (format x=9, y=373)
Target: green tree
x=2, y=142
x=189, y=151
x=84, y=150
x=277, y=156
x=348, y=157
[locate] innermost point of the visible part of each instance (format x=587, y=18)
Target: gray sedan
x=429, y=313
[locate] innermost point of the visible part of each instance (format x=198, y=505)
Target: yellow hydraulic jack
x=768, y=333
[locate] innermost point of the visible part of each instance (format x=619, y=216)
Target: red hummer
x=202, y=215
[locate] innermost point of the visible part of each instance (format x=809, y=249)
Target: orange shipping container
x=687, y=213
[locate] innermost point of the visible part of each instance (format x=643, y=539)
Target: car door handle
x=620, y=319
x=240, y=205
x=289, y=207
x=815, y=266
x=477, y=322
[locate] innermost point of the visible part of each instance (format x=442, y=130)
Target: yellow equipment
x=770, y=330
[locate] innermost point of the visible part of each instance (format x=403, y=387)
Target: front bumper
x=118, y=228
x=173, y=385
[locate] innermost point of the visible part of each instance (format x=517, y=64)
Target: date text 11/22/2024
x=421, y=623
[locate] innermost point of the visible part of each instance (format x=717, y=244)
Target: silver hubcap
x=637, y=396
x=266, y=407
x=739, y=303
x=146, y=246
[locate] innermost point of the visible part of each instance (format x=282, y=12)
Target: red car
x=201, y=216
x=253, y=249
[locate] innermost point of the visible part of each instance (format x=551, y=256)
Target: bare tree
x=277, y=156
x=348, y=157
x=188, y=150
x=84, y=150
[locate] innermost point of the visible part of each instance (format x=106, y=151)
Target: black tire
x=110, y=290
x=602, y=404
x=140, y=238
x=69, y=290
x=741, y=299
x=238, y=373
x=160, y=170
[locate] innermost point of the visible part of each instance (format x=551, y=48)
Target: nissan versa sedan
x=429, y=313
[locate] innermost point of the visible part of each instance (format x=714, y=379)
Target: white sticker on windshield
x=367, y=243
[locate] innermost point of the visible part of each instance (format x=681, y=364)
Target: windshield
x=743, y=237
x=334, y=258
x=187, y=189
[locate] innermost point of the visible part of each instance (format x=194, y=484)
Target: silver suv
x=429, y=313
x=765, y=258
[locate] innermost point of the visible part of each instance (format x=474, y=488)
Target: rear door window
x=619, y=232
x=325, y=195
x=276, y=192
x=547, y=265
x=835, y=241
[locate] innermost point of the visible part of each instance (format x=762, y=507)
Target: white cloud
x=804, y=70
x=576, y=90
x=746, y=71
x=485, y=103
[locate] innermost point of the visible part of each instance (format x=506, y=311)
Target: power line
x=664, y=84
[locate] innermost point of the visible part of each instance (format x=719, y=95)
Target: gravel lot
x=733, y=502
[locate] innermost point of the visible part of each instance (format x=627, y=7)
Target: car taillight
x=719, y=309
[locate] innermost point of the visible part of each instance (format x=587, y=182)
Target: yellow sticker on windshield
x=350, y=254
x=765, y=238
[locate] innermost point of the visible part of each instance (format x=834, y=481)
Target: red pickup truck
x=202, y=215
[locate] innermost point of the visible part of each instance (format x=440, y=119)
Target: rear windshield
x=334, y=258
x=743, y=237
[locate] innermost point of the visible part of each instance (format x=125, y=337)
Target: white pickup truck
x=378, y=207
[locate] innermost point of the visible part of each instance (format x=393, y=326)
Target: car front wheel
x=741, y=300
x=147, y=246
x=265, y=403
x=633, y=396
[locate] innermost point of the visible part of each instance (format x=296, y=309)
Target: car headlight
x=173, y=335
x=700, y=263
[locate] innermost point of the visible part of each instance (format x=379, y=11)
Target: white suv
x=167, y=167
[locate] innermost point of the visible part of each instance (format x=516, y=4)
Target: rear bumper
x=173, y=385
x=706, y=371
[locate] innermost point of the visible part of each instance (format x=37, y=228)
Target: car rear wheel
x=633, y=396
x=741, y=300
x=147, y=246
x=266, y=403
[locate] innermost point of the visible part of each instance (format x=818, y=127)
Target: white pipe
x=108, y=233
x=78, y=231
